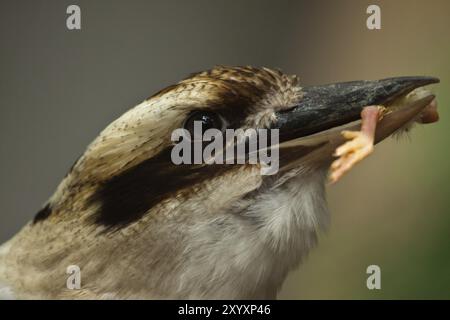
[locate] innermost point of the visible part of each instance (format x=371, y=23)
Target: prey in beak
x=348, y=118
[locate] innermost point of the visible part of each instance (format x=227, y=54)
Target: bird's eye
x=208, y=120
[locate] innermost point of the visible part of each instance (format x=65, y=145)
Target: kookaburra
x=141, y=227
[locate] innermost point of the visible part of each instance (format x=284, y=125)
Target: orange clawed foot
x=360, y=143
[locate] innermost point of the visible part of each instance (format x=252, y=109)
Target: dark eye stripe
x=125, y=198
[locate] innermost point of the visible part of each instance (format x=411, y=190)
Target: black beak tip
x=418, y=80
x=399, y=85
x=388, y=89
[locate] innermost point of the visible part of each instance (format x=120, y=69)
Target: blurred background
x=60, y=88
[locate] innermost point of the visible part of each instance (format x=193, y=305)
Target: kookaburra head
x=140, y=226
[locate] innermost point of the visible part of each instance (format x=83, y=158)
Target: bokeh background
x=59, y=88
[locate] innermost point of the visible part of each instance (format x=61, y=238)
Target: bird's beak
x=329, y=106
